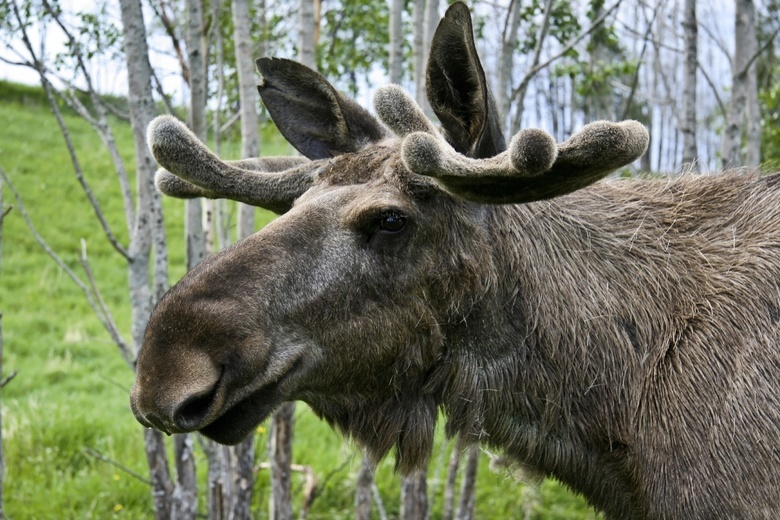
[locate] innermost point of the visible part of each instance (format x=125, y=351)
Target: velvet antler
x=534, y=167
x=193, y=171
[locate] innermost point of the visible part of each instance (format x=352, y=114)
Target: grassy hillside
x=71, y=392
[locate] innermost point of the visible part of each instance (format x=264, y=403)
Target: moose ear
x=457, y=90
x=313, y=116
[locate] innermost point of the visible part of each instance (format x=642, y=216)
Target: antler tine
x=534, y=167
x=531, y=152
x=193, y=171
x=400, y=112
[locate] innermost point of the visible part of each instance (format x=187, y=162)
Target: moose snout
x=180, y=398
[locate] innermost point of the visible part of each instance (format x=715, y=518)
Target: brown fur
x=622, y=338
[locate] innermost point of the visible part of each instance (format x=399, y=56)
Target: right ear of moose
x=313, y=116
x=457, y=89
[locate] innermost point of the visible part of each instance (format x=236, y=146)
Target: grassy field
x=71, y=392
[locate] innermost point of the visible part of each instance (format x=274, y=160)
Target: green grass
x=71, y=391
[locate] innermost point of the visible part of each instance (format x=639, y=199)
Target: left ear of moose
x=313, y=116
x=457, y=90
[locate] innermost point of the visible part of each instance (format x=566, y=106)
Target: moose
x=619, y=335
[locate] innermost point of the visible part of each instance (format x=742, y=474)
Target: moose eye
x=392, y=222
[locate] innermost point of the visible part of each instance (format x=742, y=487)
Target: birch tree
x=418, y=50
x=306, y=33
x=244, y=453
x=396, y=40
x=691, y=62
x=742, y=81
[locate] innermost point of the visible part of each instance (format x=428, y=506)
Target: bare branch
x=102, y=458
x=310, y=491
x=541, y=66
x=85, y=288
x=714, y=88
x=159, y=10
x=760, y=51
x=159, y=89
x=47, y=87
x=16, y=63
x=718, y=43
x=230, y=122
x=378, y=501
x=44, y=245
x=100, y=124
x=106, y=317
x=640, y=60
x=80, y=173
x=7, y=379
x=116, y=383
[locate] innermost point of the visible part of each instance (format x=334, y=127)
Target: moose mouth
x=239, y=420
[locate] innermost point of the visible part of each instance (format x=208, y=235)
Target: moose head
x=346, y=301
x=415, y=270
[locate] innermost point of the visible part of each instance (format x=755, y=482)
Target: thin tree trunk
x=431, y=22
x=468, y=485
x=243, y=478
x=396, y=40
x=418, y=50
x=185, y=492
x=449, y=489
x=306, y=32
x=414, y=496
x=688, y=126
x=244, y=453
x=518, y=94
x=195, y=237
x=744, y=34
x=142, y=111
x=162, y=487
x=753, y=113
x=365, y=481
x=506, y=61
x=280, y=456
x=247, y=95
x=186, y=485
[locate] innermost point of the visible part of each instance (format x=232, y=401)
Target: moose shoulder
x=621, y=336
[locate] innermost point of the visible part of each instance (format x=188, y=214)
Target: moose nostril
x=193, y=412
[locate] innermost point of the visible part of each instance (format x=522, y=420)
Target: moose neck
x=548, y=366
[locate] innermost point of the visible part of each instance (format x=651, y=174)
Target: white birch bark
x=688, y=120
x=142, y=111
x=396, y=40
x=418, y=50
x=744, y=32
x=306, y=34
x=247, y=93
x=506, y=60
x=242, y=456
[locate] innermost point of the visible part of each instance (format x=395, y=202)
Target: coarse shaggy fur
x=621, y=336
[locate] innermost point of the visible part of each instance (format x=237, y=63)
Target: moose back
x=620, y=335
